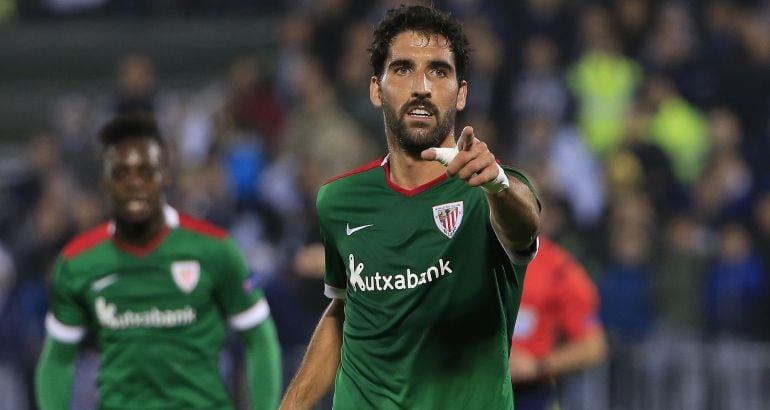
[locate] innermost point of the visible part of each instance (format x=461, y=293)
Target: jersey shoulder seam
x=363, y=168
x=86, y=240
x=200, y=226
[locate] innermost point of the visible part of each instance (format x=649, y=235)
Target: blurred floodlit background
x=645, y=125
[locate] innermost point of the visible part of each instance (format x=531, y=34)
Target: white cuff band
x=334, y=293
x=498, y=184
x=250, y=317
x=61, y=332
x=446, y=155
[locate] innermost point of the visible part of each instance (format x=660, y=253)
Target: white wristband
x=498, y=184
x=446, y=155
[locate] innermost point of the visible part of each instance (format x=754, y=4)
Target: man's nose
x=134, y=179
x=422, y=86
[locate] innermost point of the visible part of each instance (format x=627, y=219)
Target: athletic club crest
x=448, y=217
x=186, y=274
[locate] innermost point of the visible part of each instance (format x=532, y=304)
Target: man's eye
x=440, y=72
x=402, y=70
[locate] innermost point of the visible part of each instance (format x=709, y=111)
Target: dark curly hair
x=424, y=20
x=131, y=125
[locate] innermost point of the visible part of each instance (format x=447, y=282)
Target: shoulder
x=86, y=241
x=360, y=170
x=200, y=227
x=337, y=187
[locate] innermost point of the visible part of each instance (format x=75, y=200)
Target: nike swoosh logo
x=104, y=282
x=350, y=231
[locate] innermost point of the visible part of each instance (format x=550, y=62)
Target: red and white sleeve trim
x=334, y=293
x=250, y=317
x=61, y=332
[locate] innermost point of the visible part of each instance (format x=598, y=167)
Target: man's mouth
x=137, y=204
x=420, y=112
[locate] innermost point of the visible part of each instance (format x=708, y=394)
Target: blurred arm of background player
x=570, y=356
x=55, y=373
x=558, y=329
x=263, y=364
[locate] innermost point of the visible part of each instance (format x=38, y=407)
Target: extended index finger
x=466, y=139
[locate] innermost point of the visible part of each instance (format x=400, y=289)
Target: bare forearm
x=577, y=355
x=319, y=367
x=515, y=215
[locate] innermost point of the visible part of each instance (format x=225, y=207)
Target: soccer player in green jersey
x=426, y=248
x=156, y=288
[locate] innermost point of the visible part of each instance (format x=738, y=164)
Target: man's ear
x=462, y=94
x=374, y=92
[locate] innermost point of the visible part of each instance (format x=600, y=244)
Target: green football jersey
x=158, y=312
x=431, y=294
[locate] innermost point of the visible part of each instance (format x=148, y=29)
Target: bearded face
x=414, y=135
x=419, y=92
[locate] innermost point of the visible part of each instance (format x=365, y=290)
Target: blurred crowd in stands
x=645, y=125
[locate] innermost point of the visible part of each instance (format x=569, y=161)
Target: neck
x=410, y=171
x=141, y=233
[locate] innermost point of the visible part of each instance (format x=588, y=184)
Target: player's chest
x=150, y=285
x=397, y=225
x=408, y=245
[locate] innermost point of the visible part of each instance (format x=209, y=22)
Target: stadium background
x=646, y=125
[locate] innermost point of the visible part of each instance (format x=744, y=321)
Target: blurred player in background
x=156, y=288
x=557, y=330
x=425, y=248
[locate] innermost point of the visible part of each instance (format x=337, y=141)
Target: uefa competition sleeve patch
x=250, y=283
x=448, y=217
x=186, y=274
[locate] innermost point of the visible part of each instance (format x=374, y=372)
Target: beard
x=422, y=137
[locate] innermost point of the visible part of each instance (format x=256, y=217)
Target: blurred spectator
x=136, y=84
x=603, y=81
x=625, y=286
x=540, y=88
x=648, y=166
x=673, y=52
x=486, y=74
x=295, y=35
x=252, y=101
x=73, y=127
x=564, y=165
x=352, y=79
x=761, y=225
x=735, y=293
x=677, y=127
x=320, y=133
x=554, y=19
x=12, y=389
x=635, y=18
x=747, y=87
x=679, y=274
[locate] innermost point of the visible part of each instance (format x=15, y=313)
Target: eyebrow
x=409, y=63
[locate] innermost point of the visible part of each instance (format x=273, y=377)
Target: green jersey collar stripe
x=61, y=332
x=251, y=316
